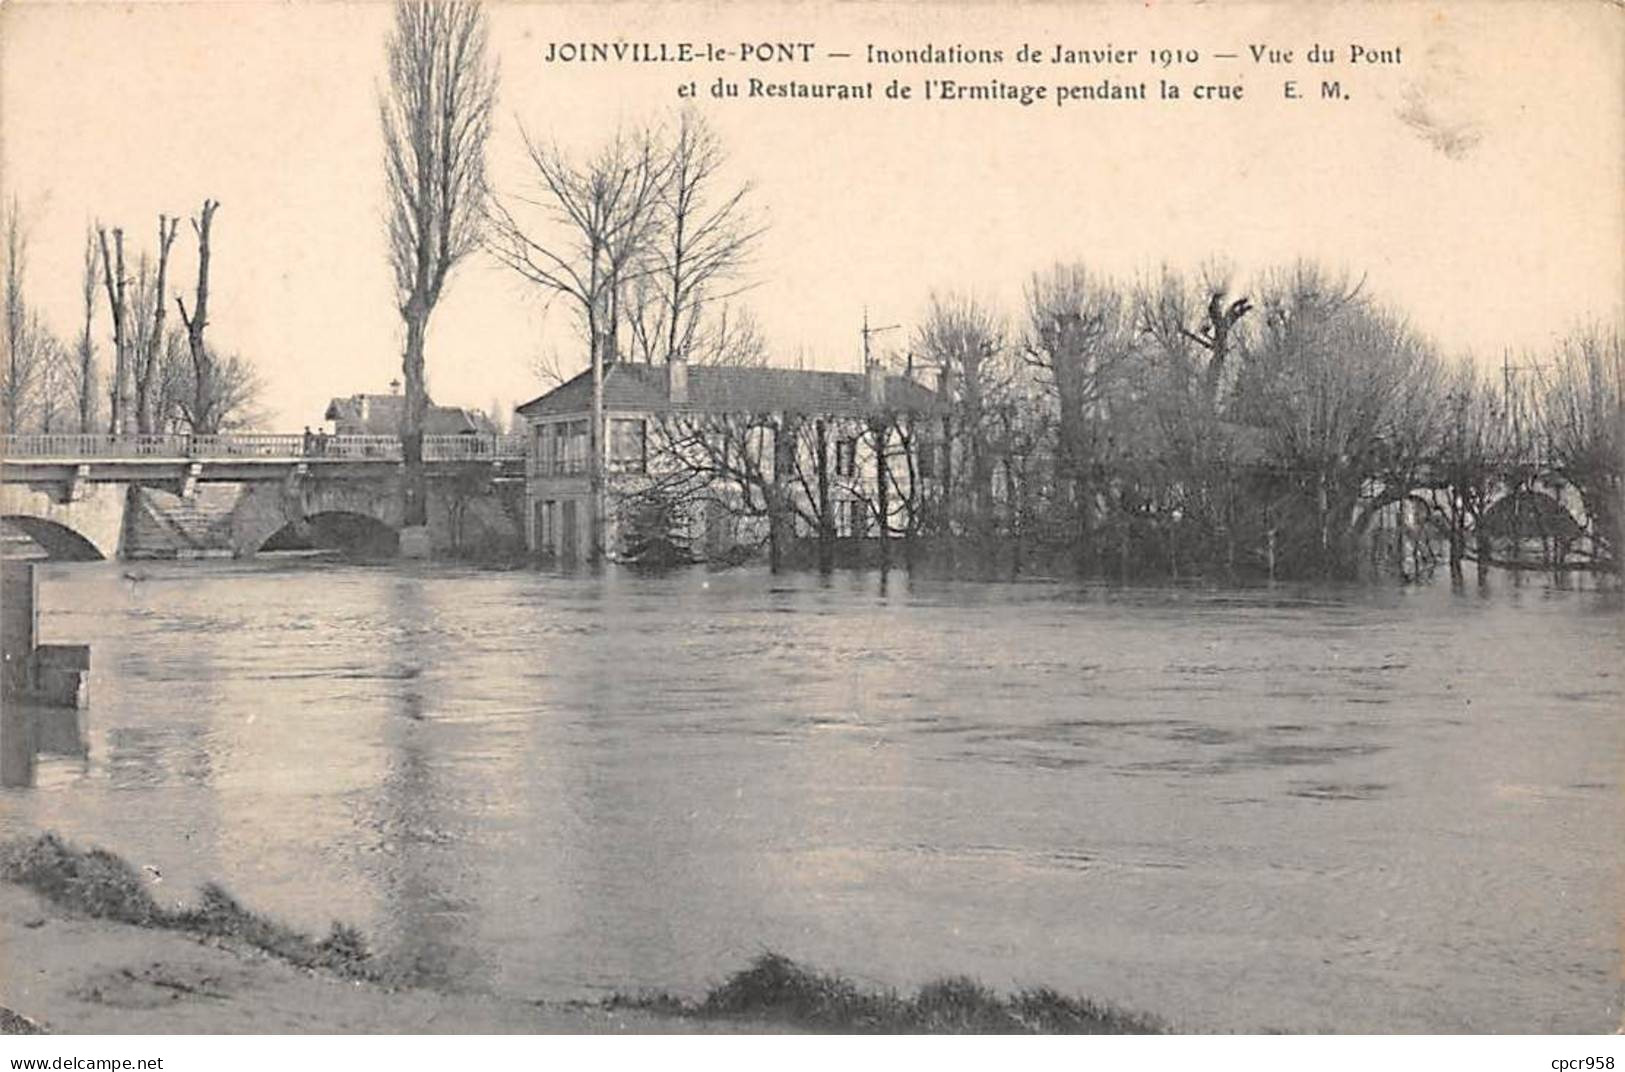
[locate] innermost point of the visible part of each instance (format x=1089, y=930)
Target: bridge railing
x=272, y=446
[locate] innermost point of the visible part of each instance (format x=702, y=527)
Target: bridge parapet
x=256, y=445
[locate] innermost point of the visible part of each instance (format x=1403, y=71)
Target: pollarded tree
x=436, y=116
x=204, y=409
x=1080, y=340
x=1473, y=457
x=137, y=305
x=965, y=339
x=1582, y=417
x=1349, y=395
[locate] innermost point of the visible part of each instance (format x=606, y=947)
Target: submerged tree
x=1582, y=419
x=964, y=338
x=436, y=117
x=1080, y=339
x=1348, y=396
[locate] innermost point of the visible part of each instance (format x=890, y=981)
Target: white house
x=738, y=457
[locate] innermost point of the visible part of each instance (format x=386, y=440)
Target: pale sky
x=119, y=112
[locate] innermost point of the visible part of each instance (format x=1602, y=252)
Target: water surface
x=1353, y=810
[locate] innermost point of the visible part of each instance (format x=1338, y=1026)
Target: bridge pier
x=416, y=542
x=194, y=473
x=78, y=484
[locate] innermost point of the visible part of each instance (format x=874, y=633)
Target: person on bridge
x=306, y=445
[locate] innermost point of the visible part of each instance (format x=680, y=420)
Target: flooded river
x=1354, y=810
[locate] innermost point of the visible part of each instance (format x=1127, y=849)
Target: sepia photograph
x=871, y=518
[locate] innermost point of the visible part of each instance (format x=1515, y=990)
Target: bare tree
x=1080, y=339
x=86, y=381
x=704, y=239
x=229, y=399
x=151, y=300
x=598, y=220
x=139, y=309
x=1187, y=321
x=436, y=117
x=22, y=358
x=116, y=283
x=965, y=339
x=203, y=408
x=1473, y=458
x=731, y=339
x=1582, y=417
x=1349, y=396
x=54, y=409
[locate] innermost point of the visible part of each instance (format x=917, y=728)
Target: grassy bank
x=99, y=884
x=775, y=989
x=773, y=992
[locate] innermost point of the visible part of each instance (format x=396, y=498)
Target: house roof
x=381, y=415
x=376, y=414
x=728, y=389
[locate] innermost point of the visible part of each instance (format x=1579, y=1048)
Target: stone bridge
x=159, y=496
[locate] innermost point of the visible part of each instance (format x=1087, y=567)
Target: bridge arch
x=87, y=526
x=348, y=531
x=58, y=541
x=338, y=515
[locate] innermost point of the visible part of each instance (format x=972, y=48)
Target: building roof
x=381, y=415
x=729, y=389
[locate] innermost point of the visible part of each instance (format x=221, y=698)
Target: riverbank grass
x=99, y=884
x=775, y=989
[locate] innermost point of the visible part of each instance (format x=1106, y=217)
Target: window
x=569, y=448
x=543, y=451
x=846, y=457
x=628, y=446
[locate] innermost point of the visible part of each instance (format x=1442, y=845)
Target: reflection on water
x=1350, y=810
x=29, y=731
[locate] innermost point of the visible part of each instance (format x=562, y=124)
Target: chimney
x=677, y=372
x=364, y=406
x=875, y=373
x=394, y=387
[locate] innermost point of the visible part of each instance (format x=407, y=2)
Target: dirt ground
x=74, y=975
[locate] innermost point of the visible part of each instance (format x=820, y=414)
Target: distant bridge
x=69, y=493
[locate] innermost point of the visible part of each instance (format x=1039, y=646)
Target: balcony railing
x=274, y=447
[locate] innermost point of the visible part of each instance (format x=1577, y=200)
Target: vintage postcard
x=563, y=518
